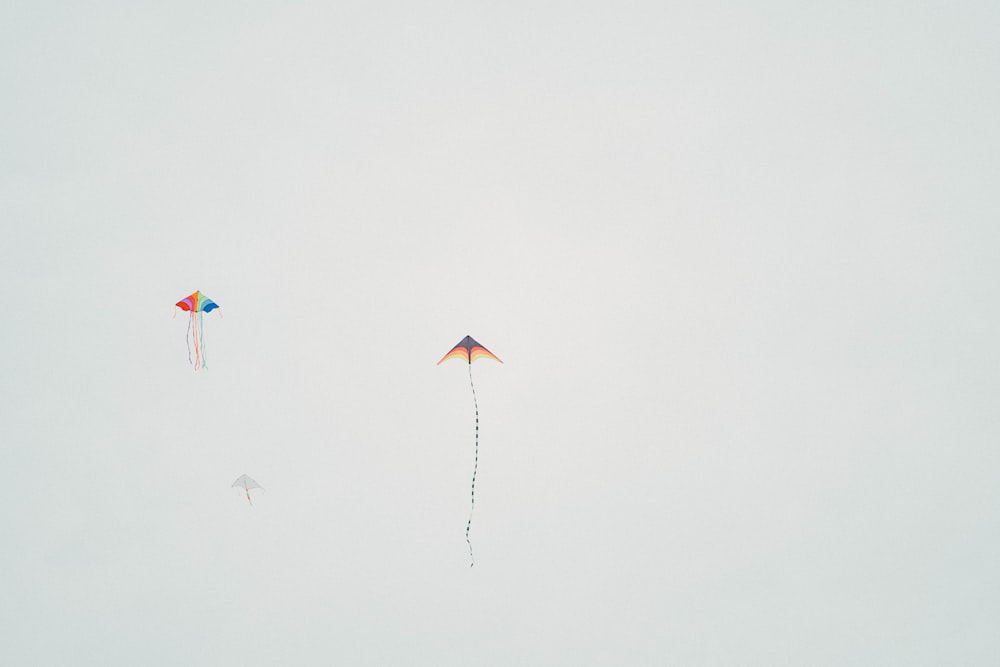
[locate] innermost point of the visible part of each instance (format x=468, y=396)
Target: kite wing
x=469, y=350
x=247, y=483
x=197, y=303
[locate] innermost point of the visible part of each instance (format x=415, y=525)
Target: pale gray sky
x=739, y=259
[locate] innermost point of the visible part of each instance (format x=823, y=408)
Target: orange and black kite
x=469, y=350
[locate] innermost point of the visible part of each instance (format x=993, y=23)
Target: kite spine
x=475, y=468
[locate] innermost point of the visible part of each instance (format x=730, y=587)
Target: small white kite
x=247, y=483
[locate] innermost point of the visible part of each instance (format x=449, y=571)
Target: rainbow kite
x=469, y=350
x=196, y=304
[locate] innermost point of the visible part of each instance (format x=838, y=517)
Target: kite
x=247, y=483
x=469, y=350
x=196, y=304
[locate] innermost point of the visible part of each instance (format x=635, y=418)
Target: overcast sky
x=739, y=260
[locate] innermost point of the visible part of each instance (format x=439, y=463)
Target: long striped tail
x=475, y=468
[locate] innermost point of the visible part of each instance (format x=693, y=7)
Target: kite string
x=475, y=468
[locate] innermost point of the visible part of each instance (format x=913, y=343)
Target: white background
x=739, y=260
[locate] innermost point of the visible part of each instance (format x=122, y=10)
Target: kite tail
x=187, y=338
x=475, y=468
x=195, y=335
x=248, y=497
x=201, y=334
